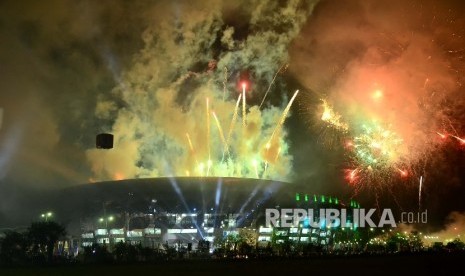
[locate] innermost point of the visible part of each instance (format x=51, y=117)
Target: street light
x=46, y=216
x=106, y=220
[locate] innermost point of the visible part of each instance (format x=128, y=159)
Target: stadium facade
x=187, y=213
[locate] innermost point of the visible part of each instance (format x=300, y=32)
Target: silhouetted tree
x=96, y=254
x=13, y=248
x=124, y=252
x=455, y=245
x=43, y=236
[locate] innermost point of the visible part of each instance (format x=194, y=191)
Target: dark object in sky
x=104, y=141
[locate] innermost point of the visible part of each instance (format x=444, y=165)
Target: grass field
x=356, y=265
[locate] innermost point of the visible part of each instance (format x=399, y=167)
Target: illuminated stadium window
x=265, y=229
x=188, y=231
x=134, y=233
x=88, y=235
x=294, y=230
x=103, y=241
x=101, y=232
x=233, y=232
x=304, y=239
x=149, y=231
x=305, y=231
x=264, y=238
x=117, y=231
x=117, y=240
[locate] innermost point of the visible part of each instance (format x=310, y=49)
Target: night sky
x=142, y=70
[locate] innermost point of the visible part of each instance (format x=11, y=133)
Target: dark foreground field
x=367, y=265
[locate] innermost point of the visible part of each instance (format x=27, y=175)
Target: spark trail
x=279, y=125
x=220, y=130
x=282, y=119
x=208, y=138
x=419, y=192
x=244, y=122
x=233, y=122
x=282, y=68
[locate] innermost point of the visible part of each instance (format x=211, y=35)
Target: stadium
x=186, y=212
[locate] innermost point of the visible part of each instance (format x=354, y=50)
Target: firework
x=332, y=118
x=277, y=154
x=282, y=119
x=419, y=192
x=233, y=122
x=225, y=81
x=461, y=140
x=255, y=167
x=271, y=141
x=208, y=138
x=227, y=146
x=162, y=103
x=281, y=69
x=244, y=121
x=403, y=173
x=377, y=146
x=351, y=175
x=443, y=136
x=375, y=151
x=191, y=147
x=220, y=130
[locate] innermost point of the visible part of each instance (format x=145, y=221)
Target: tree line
x=36, y=245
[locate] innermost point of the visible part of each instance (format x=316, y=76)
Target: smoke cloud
x=454, y=228
x=160, y=103
x=141, y=70
x=391, y=63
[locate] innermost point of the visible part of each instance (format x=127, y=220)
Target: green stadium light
x=297, y=197
x=323, y=199
x=314, y=198
x=306, y=198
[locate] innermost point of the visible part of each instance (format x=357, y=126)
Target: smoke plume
x=163, y=124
